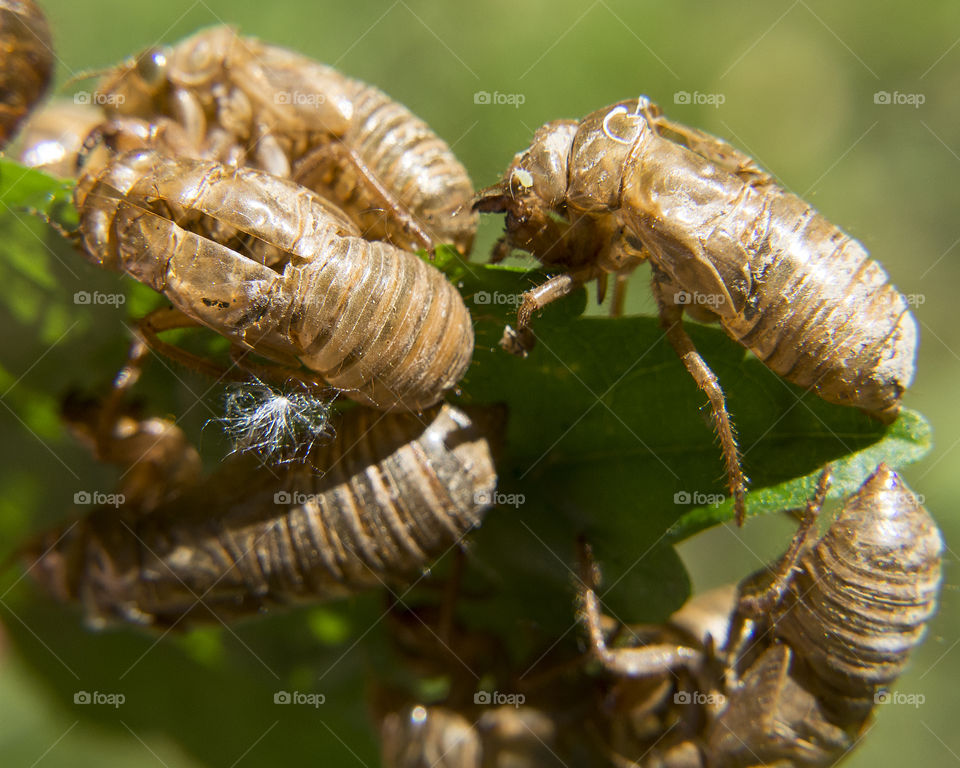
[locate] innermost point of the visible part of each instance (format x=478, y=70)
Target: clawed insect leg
x=520, y=341
x=339, y=155
x=113, y=404
x=671, y=320
x=756, y=599
x=619, y=295
x=537, y=298
x=168, y=319
x=644, y=661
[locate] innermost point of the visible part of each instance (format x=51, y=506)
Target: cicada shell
x=399, y=492
x=625, y=185
x=858, y=600
x=26, y=53
x=276, y=269
x=243, y=101
x=53, y=137
x=785, y=670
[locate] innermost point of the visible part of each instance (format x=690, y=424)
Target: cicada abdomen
x=278, y=270
x=26, y=62
x=399, y=492
x=861, y=597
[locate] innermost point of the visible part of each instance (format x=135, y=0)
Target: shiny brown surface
x=627, y=185
x=398, y=492
x=26, y=62
x=294, y=279
x=795, y=684
x=249, y=103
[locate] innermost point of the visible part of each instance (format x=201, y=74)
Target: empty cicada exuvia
x=53, y=137
x=625, y=185
x=277, y=270
x=26, y=62
x=244, y=102
x=398, y=492
x=787, y=669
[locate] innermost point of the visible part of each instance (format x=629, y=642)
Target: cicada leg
x=335, y=154
x=169, y=319
x=760, y=593
x=671, y=320
x=645, y=661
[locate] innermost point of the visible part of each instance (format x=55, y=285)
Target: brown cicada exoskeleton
x=244, y=102
x=26, y=62
x=399, y=491
x=625, y=185
x=787, y=669
x=277, y=270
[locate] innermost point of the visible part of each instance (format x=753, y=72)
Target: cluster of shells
x=281, y=204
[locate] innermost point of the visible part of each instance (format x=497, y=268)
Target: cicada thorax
x=399, y=491
x=863, y=595
x=26, y=62
x=374, y=321
x=250, y=103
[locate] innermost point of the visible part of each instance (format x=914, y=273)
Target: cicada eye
x=152, y=67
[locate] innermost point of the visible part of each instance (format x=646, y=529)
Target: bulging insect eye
x=152, y=67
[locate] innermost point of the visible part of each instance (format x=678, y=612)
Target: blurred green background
x=795, y=84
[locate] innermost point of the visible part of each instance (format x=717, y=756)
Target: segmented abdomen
x=26, y=62
x=399, y=491
x=864, y=592
x=375, y=321
x=422, y=178
x=821, y=313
